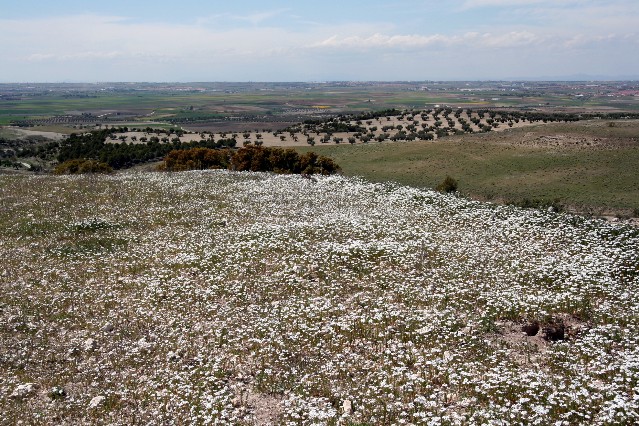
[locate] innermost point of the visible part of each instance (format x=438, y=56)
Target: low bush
x=196, y=159
x=81, y=166
x=448, y=185
x=250, y=158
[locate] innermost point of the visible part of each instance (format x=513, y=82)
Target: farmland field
x=250, y=298
x=590, y=167
x=213, y=106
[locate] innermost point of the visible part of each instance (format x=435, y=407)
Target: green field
x=180, y=101
x=496, y=167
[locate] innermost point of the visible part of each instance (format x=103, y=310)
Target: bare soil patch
x=238, y=126
x=20, y=133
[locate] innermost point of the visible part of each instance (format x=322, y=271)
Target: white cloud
x=36, y=57
x=377, y=41
x=602, y=40
x=472, y=4
x=92, y=47
x=255, y=18
x=380, y=41
x=93, y=38
x=561, y=16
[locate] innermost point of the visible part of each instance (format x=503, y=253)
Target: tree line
x=93, y=146
x=250, y=158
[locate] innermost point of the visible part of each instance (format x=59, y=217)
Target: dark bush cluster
x=337, y=126
x=81, y=166
x=196, y=159
x=250, y=158
x=448, y=185
x=121, y=155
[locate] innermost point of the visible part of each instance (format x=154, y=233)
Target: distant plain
x=588, y=166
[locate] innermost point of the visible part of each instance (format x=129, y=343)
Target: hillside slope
x=248, y=298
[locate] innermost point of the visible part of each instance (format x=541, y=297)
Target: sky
x=328, y=40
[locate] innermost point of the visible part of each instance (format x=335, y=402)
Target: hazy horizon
x=78, y=41
x=566, y=79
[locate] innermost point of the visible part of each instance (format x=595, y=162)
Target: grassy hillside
x=227, y=298
x=588, y=166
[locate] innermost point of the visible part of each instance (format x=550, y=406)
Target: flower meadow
x=216, y=297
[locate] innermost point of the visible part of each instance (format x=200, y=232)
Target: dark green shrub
x=81, y=166
x=278, y=160
x=196, y=159
x=249, y=158
x=448, y=185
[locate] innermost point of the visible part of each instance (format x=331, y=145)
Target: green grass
x=488, y=168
